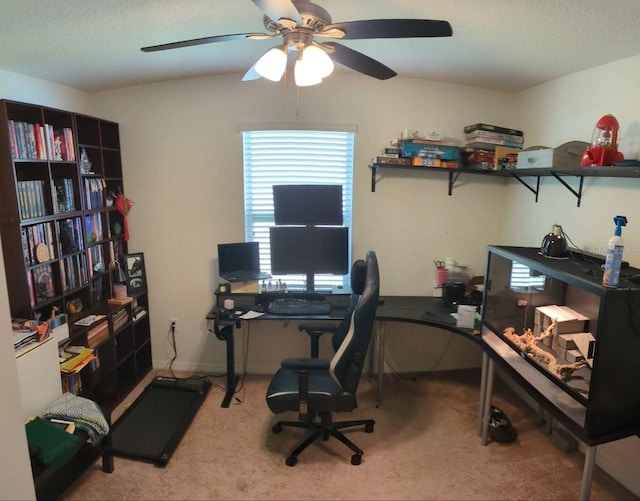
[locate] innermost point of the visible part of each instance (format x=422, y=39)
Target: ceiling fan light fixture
x=272, y=64
x=319, y=60
x=305, y=74
x=313, y=64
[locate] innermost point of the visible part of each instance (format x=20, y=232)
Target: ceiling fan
x=299, y=23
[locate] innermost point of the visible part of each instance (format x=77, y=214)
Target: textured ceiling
x=510, y=45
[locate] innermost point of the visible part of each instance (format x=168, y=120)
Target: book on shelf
x=97, y=334
x=482, y=135
x=115, y=301
x=79, y=361
x=139, y=314
x=491, y=145
x=71, y=235
x=31, y=200
x=492, y=128
x=63, y=189
x=89, y=320
x=35, y=141
x=43, y=286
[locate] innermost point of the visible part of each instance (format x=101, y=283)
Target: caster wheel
x=368, y=428
x=325, y=436
x=291, y=461
x=356, y=459
x=277, y=428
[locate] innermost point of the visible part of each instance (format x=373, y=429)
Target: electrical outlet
x=174, y=324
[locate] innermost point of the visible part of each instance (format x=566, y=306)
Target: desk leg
x=483, y=389
x=380, y=355
x=587, y=472
x=232, y=379
x=486, y=414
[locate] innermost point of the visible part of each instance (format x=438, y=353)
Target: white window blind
x=293, y=157
x=521, y=278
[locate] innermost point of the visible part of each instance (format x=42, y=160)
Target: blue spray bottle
x=614, y=254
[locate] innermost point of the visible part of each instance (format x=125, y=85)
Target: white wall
x=567, y=110
x=182, y=158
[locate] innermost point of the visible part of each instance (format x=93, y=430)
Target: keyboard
x=295, y=306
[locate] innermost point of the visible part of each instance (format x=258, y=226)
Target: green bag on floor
x=52, y=445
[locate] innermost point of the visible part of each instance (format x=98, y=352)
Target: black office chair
x=316, y=388
x=316, y=329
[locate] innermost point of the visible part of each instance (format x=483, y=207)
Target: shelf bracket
x=453, y=177
x=535, y=190
x=578, y=193
x=374, y=173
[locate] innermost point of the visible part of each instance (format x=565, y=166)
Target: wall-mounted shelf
x=519, y=174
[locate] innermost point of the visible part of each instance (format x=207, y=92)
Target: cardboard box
x=567, y=320
x=566, y=155
x=502, y=152
x=430, y=151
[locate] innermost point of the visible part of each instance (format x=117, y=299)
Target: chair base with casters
x=325, y=428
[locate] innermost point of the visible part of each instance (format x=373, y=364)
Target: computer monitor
x=307, y=204
x=309, y=250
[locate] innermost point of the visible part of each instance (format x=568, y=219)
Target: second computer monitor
x=307, y=204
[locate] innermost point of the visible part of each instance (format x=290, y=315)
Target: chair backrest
x=358, y=279
x=346, y=365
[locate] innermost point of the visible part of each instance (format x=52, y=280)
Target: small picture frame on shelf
x=136, y=274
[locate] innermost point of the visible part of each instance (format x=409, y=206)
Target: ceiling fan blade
x=279, y=9
x=392, y=28
x=205, y=40
x=359, y=62
x=251, y=74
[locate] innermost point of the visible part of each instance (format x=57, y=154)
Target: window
x=523, y=278
x=293, y=157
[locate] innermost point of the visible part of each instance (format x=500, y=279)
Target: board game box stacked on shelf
x=491, y=147
x=412, y=148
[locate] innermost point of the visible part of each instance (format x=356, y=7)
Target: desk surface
x=422, y=310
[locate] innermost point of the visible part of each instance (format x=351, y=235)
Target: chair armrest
x=305, y=364
x=314, y=331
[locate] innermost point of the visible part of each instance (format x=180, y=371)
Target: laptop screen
x=242, y=256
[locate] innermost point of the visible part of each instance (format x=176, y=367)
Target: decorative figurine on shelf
x=603, y=150
x=85, y=163
x=57, y=148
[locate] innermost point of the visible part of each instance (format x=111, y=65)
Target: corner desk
x=421, y=310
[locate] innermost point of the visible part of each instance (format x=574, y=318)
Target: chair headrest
x=358, y=276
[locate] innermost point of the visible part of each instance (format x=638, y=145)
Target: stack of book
x=120, y=318
x=97, y=334
x=487, y=137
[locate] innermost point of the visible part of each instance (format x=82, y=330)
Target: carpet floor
x=425, y=446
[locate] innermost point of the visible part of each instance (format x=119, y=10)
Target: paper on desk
x=251, y=314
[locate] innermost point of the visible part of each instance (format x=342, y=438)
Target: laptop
x=240, y=262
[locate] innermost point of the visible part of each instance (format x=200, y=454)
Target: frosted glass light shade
x=305, y=74
x=312, y=66
x=272, y=64
x=318, y=60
